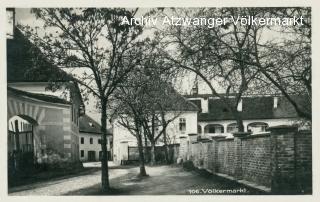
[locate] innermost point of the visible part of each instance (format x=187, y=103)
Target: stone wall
x=279, y=162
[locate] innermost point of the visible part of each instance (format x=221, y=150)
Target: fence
x=279, y=162
x=173, y=151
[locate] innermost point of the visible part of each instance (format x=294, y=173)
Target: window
x=82, y=140
x=82, y=153
x=99, y=141
x=182, y=124
x=91, y=140
x=214, y=128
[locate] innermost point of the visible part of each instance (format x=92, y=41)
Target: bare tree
x=152, y=101
x=240, y=59
x=93, y=39
x=128, y=115
x=286, y=62
x=214, y=54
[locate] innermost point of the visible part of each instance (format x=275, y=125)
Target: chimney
x=195, y=90
x=275, y=102
x=205, y=105
x=195, y=86
x=239, y=107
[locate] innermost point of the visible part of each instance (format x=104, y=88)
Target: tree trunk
x=152, y=153
x=146, y=147
x=240, y=125
x=104, y=159
x=141, y=156
x=239, y=120
x=166, y=149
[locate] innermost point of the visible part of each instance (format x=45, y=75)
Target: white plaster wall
x=95, y=146
x=270, y=122
x=173, y=131
x=122, y=138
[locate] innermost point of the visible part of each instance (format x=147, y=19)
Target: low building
x=258, y=113
x=184, y=123
x=43, y=119
x=90, y=140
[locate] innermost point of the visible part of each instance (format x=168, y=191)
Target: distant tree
x=152, y=101
x=128, y=114
x=95, y=39
x=286, y=61
x=215, y=54
x=245, y=59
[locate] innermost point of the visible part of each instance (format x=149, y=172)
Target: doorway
x=91, y=156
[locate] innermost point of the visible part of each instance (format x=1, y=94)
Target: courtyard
x=168, y=180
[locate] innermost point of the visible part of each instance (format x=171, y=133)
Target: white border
x=315, y=4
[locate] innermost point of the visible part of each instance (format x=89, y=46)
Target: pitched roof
x=176, y=102
x=38, y=96
x=258, y=107
x=181, y=104
x=26, y=63
x=88, y=125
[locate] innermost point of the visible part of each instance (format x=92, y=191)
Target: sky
x=24, y=17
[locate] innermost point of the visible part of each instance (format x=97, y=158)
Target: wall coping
x=217, y=137
x=225, y=140
x=204, y=140
x=305, y=132
x=241, y=134
x=257, y=136
x=283, y=128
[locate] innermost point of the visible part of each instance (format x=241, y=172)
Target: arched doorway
x=214, y=128
x=232, y=128
x=21, y=143
x=256, y=127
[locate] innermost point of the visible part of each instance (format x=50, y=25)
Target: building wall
x=279, y=161
x=55, y=135
x=123, y=138
x=95, y=146
x=256, y=159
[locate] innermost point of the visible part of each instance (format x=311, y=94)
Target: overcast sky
x=24, y=17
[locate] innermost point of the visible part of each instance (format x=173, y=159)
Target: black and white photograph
x=118, y=101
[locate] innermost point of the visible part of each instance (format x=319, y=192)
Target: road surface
x=162, y=180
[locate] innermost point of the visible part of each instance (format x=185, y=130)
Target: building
x=90, y=140
x=258, y=113
x=43, y=125
x=184, y=123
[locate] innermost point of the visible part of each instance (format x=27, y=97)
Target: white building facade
x=184, y=123
x=258, y=113
x=90, y=140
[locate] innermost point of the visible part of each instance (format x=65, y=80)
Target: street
x=162, y=180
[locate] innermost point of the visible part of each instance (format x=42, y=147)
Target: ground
x=168, y=180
